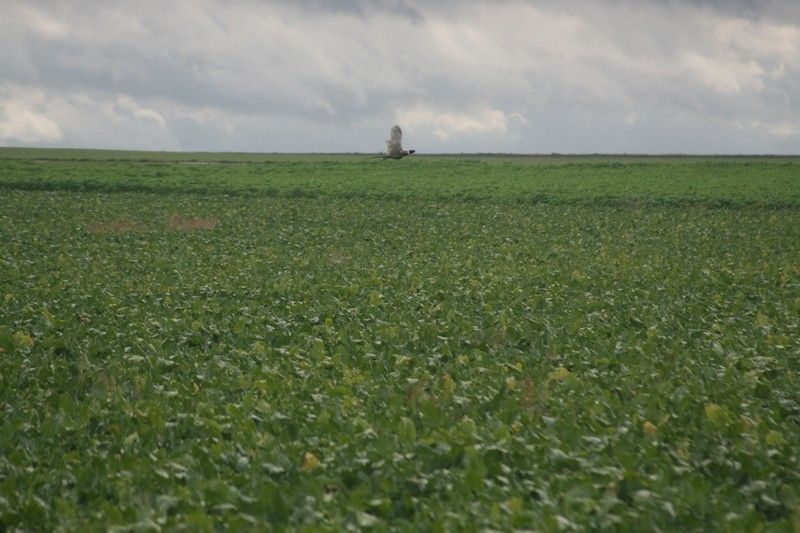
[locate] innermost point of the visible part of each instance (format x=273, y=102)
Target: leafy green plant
x=415, y=346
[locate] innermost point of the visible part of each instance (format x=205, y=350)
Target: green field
x=204, y=341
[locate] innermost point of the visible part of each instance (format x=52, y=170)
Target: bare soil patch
x=177, y=222
x=120, y=225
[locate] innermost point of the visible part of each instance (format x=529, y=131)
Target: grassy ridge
x=325, y=357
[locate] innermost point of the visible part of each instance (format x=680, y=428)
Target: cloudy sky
x=643, y=76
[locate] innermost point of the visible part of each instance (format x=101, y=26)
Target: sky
x=567, y=76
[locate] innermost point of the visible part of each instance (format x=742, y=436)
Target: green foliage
x=626, y=182
x=400, y=346
x=717, y=415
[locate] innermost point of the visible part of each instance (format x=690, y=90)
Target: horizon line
x=418, y=154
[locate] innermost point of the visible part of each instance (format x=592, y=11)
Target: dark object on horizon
x=393, y=148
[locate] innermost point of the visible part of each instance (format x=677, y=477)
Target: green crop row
x=366, y=357
x=723, y=182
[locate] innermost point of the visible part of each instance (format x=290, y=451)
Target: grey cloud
x=359, y=7
x=567, y=76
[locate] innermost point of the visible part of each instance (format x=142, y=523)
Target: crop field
x=437, y=343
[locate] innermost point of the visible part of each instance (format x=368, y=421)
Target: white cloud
x=725, y=76
x=30, y=115
x=762, y=39
x=447, y=123
x=20, y=123
x=24, y=119
x=46, y=26
x=126, y=105
x=149, y=114
x=774, y=129
x=215, y=118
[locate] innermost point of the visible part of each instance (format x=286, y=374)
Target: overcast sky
x=568, y=76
